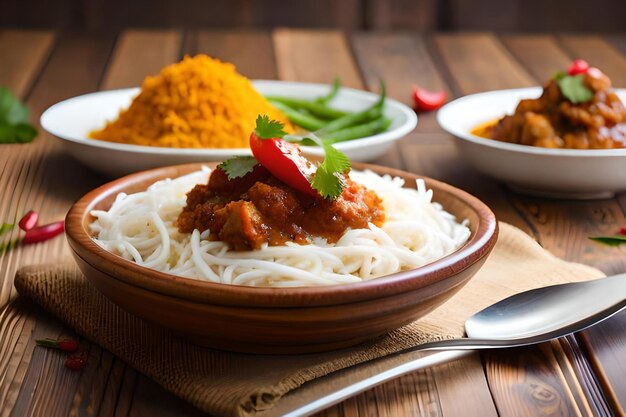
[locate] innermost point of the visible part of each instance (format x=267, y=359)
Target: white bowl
x=561, y=173
x=71, y=121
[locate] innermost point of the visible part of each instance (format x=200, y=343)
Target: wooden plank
x=314, y=56
x=137, y=46
x=605, y=345
x=540, y=54
x=119, y=391
x=599, y=53
x=532, y=381
x=250, y=51
x=419, y=15
x=477, y=61
x=401, y=60
x=463, y=389
x=16, y=325
x=563, y=228
x=23, y=53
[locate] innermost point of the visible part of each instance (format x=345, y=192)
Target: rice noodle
x=142, y=227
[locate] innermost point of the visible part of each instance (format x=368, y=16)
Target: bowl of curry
x=542, y=141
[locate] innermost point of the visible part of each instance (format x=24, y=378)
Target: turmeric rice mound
x=199, y=102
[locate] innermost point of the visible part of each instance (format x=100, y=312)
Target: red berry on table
x=75, y=363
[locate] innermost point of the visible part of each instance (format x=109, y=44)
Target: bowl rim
x=451, y=128
x=474, y=250
x=383, y=137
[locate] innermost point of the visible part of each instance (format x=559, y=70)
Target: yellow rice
x=199, y=102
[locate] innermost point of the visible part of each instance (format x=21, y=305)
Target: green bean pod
x=375, y=111
x=305, y=121
x=331, y=95
x=318, y=109
x=359, y=131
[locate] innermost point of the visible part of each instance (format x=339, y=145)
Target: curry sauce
x=258, y=209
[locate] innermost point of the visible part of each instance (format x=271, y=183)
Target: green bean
x=318, y=109
x=305, y=121
x=359, y=131
x=331, y=95
x=352, y=119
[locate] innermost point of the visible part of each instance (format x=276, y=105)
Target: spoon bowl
x=550, y=312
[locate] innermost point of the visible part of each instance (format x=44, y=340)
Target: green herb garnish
x=238, y=166
x=14, y=125
x=328, y=179
x=268, y=129
x=573, y=87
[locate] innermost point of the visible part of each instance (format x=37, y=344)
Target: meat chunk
x=243, y=227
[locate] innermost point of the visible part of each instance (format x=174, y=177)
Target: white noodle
x=142, y=227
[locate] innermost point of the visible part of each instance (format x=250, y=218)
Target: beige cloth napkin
x=234, y=384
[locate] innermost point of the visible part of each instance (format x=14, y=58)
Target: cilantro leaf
x=238, y=166
x=615, y=240
x=328, y=179
x=14, y=126
x=268, y=129
x=574, y=88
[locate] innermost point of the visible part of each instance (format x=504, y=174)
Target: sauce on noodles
x=257, y=209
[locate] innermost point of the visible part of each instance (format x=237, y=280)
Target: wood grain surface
x=581, y=376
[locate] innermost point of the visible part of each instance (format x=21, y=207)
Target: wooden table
x=578, y=376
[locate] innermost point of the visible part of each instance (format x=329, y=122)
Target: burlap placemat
x=232, y=384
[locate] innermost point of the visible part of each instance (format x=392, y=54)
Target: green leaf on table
x=615, y=240
x=329, y=180
x=14, y=125
x=6, y=228
x=574, y=89
x=9, y=246
x=238, y=166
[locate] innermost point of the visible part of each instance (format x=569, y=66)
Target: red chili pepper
x=66, y=345
x=424, y=100
x=75, y=362
x=284, y=161
x=29, y=221
x=43, y=233
x=578, y=66
x=622, y=231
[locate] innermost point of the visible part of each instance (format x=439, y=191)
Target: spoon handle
x=433, y=353
x=341, y=394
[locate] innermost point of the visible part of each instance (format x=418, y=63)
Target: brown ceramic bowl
x=268, y=320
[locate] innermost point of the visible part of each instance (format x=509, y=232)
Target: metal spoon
x=527, y=318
